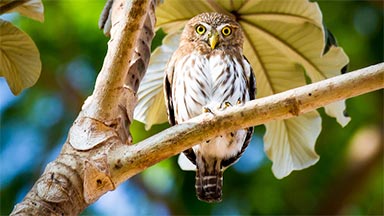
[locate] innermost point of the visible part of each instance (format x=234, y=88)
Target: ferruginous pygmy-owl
x=207, y=73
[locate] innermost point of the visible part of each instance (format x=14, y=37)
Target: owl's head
x=213, y=31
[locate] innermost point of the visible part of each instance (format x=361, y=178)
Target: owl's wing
x=251, y=82
x=169, y=70
x=184, y=163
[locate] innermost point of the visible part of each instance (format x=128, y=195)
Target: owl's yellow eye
x=200, y=29
x=226, y=31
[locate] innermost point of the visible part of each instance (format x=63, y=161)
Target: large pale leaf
x=172, y=15
x=33, y=9
x=284, y=39
x=331, y=63
x=19, y=58
x=304, y=44
x=289, y=136
x=284, y=143
x=283, y=11
x=151, y=106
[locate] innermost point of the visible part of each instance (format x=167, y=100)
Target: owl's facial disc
x=213, y=39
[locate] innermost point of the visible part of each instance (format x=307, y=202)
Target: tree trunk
x=81, y=173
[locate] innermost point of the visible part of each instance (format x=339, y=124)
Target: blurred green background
x=348, y=179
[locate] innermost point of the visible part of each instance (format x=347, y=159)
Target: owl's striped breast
x=208, y=81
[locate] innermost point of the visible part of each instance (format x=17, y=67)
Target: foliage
x=19, y=57
x=285, y=41
x=35, y=124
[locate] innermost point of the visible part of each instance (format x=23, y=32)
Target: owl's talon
x=207, y=110
x=225, y=104
x=238, y=101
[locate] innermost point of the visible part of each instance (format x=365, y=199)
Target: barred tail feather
x=209, y=186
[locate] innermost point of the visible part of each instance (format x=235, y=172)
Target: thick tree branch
x=127, y=161
x=80, y=174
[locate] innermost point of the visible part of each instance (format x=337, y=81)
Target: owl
x=208, y=73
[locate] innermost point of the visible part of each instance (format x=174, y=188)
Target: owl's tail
x=209, y=185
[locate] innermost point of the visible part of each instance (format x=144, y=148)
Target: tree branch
x=127, y=161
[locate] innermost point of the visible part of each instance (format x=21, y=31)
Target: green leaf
x=284, y=40
x=19, y=58
x=33, y=9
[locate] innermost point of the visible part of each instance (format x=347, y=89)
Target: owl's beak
x=213, y=39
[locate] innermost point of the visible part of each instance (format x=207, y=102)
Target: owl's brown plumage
x=208, y=72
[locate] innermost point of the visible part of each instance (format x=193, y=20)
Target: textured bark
x=97, y=156
x=80, y=174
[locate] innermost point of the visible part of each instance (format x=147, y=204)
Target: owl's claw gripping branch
x=225, y=105
x=208, y=110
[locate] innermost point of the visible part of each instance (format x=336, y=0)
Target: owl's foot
x=207, y=110
x=225, y=105
x=238, y=102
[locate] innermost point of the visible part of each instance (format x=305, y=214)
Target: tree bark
x=80, y=174
x=97, y=157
